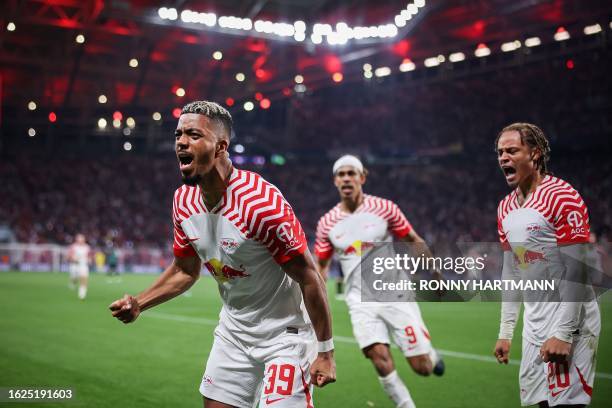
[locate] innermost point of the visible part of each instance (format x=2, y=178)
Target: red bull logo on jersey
x=357, y=248
x=222, y=272
x=229, y=245
x=525, y=257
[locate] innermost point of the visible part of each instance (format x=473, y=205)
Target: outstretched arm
x=302, y=269
x=176, y=279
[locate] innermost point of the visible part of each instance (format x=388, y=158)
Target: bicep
x=189, y=265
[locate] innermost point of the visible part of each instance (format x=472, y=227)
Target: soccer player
x=79, y=255
x=357, y=220
x=246, y=234
x=543, y=227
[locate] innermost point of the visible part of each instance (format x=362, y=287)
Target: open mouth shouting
x=185, y=161
x=509, y=172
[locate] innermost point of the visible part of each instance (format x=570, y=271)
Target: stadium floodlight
x=240, y=77
x=116, y=123
x=127, y=131
x=11, y=26
x=102, y=98
x=456, y=57
x=367, y=67
x=80, y=39
x=31, y=132
x=407, y=65
x=298, y=79
x=533, y=42
x=337, y=77
x=101, y=123
x=299, y=36
x=180, y=92
x=316, y=39
x=431, y=62
x=32, y=105
x=561, y=34
x=299, y=26
x=239, y=148
x=322, y=29
x=405, y=14
x=299, y=88
x=157, y=116
x=419, y=3
x=367, y=74
x=127, y=146
x=592, y=29
x=382, y=72
x=482, y=50
x=171, y=13
x=218, y=55
x=130, y=122
x=511, y=46
x=133, y=63
x=399, y=21
x=248, y=106
x=412, y=9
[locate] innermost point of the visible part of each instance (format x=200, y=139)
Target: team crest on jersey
x=534, y=229
x=222, y=272
x=229, y=245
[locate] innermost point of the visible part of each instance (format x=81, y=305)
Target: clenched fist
x=125, y=309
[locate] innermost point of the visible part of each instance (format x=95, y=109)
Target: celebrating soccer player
x=250, y=241
x=543, y=227
x=355, y=222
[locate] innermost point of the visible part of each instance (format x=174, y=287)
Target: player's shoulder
x=330, y=218
x=375, y=202
x=252, y=180
x=187, y=201
x=555, y=190
x=505, y=203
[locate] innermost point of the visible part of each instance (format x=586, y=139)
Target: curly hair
x=213, y=111
x=533, y=137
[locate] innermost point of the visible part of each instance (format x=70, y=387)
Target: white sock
x=434, y=357
x=82, y=291
x=396, y=390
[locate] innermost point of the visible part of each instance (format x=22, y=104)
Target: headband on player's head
x=348, y=160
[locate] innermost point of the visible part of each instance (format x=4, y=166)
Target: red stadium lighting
x=569, y=64
x=258, y=96
x=265, y=103
x=260, y=73
x=286, y=91
x=337, y=77
x=176, y=112
x=229, y=101
x=52, y=117
x=117, y=115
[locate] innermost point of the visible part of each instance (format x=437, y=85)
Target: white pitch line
x=348, y=340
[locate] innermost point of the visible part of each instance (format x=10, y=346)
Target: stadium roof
x=64, y=54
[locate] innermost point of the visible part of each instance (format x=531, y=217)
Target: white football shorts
x=275, y=372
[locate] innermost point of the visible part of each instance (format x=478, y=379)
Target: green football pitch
x=51, y=339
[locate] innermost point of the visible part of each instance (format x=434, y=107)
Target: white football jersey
x=552, y=216
x=350, y=234
x=242, y=243
x=79, y=254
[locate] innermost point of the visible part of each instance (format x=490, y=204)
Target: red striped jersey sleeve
x=397, y=222
x=271, y=221
x=180, y=211
x=323, y=247
x=570, y=217
x=500, y=229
